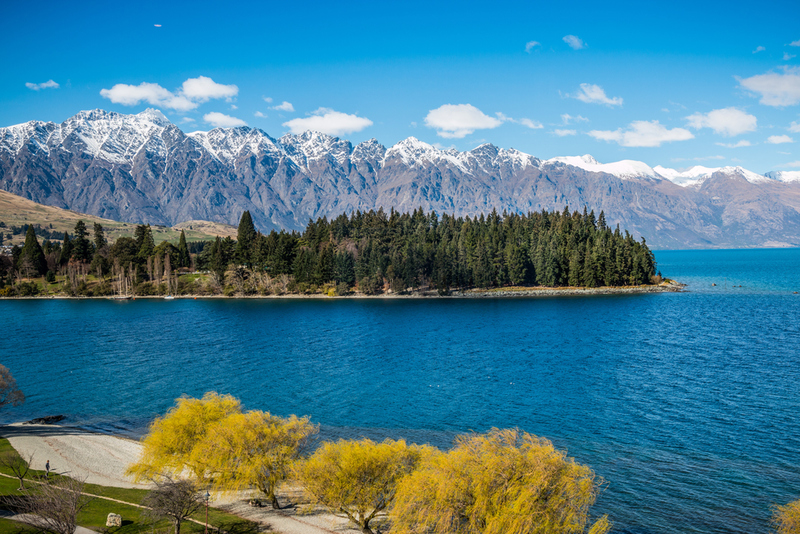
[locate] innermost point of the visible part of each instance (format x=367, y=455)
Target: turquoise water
x=685, y=403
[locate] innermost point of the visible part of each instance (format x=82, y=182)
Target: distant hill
x=144, y=169
x=18, y=211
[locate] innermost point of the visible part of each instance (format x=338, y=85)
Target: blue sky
x=678, y=84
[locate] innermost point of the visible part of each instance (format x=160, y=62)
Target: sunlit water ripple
x=686, y=404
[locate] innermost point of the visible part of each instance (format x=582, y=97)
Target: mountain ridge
x=143, y=168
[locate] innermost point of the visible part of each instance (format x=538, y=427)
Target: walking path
x=102, y=459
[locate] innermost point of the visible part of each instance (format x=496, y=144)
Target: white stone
x=114, y=520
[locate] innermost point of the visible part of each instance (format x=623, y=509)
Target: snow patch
x=625, y=169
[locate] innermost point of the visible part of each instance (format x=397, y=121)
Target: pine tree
x=245, y=240
x=81, y=245
x=32, y=255
x=218, y=264
x=144, y=242
x=66, y=250
x=99, y=237
x=184, y=259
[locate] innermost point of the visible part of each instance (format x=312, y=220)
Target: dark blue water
x=687, y=404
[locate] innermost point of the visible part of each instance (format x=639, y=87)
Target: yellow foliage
x=170, y=444
x=358, y=478
x=501, y=482
x=253, y=449
x=787, y=518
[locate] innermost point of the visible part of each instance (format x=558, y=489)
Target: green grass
x=96, y=512
x=8, y=526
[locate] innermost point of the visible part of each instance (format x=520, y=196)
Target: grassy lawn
x=8, y=526
x=95, y=514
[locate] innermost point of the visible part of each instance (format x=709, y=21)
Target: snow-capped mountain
x=142, y=168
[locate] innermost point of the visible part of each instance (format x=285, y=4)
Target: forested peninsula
x=363, y=253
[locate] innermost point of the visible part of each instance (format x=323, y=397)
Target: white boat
x=169, y=297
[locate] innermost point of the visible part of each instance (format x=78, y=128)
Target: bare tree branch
x=17, y=464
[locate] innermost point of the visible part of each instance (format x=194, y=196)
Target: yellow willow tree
x=358, y=479
x=787, y=518
x=254, y=449
x=170, y=445
x=501, y=482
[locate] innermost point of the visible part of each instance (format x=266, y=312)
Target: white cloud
x=328, y=122
x=794, y=127
x=779, y=139
x=260, y=115
x=740, y=144
x=49, y=84
x=454, y=121
x=776, y=89
x=792, y=164
x=795, y=43
x=157, y=25
x=192, y=93
x=234, y=107
x=759, y=49
x=566, y=118
x=787, y=56
x=643, y=134
x=726, y=121
x=530, y=45
x=220, y=120
x=267, y=99
x=574, y=42
x=564, y=133
x=533, y=125
x=203, y=88
x=186, y=120
x=284, y=106
x=594, y=94
x=440, y=146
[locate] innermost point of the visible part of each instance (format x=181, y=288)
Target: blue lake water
x=687, y=404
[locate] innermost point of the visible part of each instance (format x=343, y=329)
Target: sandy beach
x=102, y=459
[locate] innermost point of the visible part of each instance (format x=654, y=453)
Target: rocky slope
x=142, y=168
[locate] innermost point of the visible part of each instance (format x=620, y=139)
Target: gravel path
x=102, y=459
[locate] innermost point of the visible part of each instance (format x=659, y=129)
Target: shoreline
x=501, y=292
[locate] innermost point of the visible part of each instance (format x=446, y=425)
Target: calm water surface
x=686, y=404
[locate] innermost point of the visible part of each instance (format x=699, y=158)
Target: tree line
x=370, y=252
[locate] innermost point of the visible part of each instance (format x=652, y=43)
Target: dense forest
x=370, y=252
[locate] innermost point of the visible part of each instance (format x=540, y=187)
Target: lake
x=686, y=404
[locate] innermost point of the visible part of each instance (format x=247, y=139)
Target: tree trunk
x=177, y=525
x=274, y=499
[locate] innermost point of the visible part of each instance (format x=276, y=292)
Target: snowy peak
x=698, y=174
x=625, y=169
x=784, y=176
x=309, y=146
x=370, y=150
x=688, y=178
x=228, y=144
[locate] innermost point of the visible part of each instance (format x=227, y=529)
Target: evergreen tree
x=81, y=250
x=99, y=237
x=66, y=250
x=245, y=240
x=32, y=256
x=144, y=242
x=184, y=259
x=344, y=269
x=218, y=263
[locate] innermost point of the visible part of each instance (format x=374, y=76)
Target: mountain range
x=142, y=168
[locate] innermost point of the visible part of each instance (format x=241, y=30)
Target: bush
x=50, y=277
x=27, y=289
x=342, y=289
